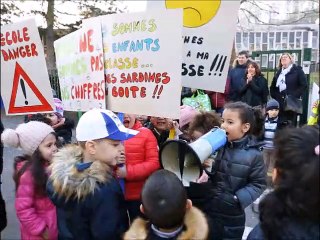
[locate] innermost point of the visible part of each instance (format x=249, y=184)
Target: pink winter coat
x=35, y=213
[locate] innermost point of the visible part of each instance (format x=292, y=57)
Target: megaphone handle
x=181, y=155
x=209, y=173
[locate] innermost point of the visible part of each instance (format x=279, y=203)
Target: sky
x=27, y=6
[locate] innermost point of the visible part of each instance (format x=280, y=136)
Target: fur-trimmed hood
x=67, y=182
x=194, y=221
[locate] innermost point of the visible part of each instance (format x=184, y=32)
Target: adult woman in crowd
x=255, y=90
x=289, y=80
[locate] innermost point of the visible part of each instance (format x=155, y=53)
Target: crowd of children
x=72, y=191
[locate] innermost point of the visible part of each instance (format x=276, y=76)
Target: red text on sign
x=127, y=92
x=13, y=37
x=85, y=42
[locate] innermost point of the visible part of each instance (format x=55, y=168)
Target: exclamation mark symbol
x=24, y=91
x=214, y=63
x=219, y=64
x=155, y=91
x=160, y=91
x=222, y=65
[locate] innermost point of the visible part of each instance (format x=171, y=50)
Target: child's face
x=129, y=120
x=53, y=118
x=233, y=125
x=273, y=113
x=107, y=151
x=161, y=124
x=48, y=147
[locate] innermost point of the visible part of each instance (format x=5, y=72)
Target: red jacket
x=142, y=159
x=218, y=99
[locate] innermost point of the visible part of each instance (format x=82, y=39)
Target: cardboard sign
x=25, y=85
x=79, y=57
x=142, y=61
x=314, y=97
x=208, y=33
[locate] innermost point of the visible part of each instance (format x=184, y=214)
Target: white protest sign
x=79, y=57
x=208, y=33
x=25, y=85
x=313, y=97
x=142, y=60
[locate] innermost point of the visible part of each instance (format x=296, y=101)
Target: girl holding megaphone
x=238, y=175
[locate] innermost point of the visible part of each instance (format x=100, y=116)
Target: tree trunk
x=51, y=61
x=233, y=54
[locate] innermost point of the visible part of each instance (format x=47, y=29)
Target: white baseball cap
x=100, y=123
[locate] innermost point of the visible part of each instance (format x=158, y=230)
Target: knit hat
x=272, y=104
x=28, y=136
x=187, y=113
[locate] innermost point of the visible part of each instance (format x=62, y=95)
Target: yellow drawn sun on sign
x=195, y=13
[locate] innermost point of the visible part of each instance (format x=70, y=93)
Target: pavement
x=12, y=232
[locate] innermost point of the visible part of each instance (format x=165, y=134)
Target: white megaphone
x=185, y=160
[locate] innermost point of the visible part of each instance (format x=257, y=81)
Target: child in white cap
x=89, y=199
x=35, y=211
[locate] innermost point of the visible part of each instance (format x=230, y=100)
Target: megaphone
x=185, y=160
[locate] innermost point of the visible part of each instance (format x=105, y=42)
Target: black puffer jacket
x=239, y=177
x=255, y=93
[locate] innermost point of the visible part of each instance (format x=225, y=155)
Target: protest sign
x=142, y=61
x=313, y=97
x=25, y=85
x=208, y=33
x=79, y=58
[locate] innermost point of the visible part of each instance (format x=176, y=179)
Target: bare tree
x=251, y=11
x=53, y=17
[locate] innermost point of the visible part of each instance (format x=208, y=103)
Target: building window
x=271, y=61
x=238, y=47
x=251, y=47
x=284, y=40
x=278, y=37
x=315, y=40
x=271, y=40
x=258, y=41
x=264, y=46
x=298, y=40
x=264, y=37
x=305, y=37
x=264, y=61
x=245, y=41
x=251, y=37
x=291, y=37
x=238, y=37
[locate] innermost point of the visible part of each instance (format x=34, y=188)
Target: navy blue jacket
x=91, y=205
x=239, y=177
x=291, y=229
x=236, y=76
